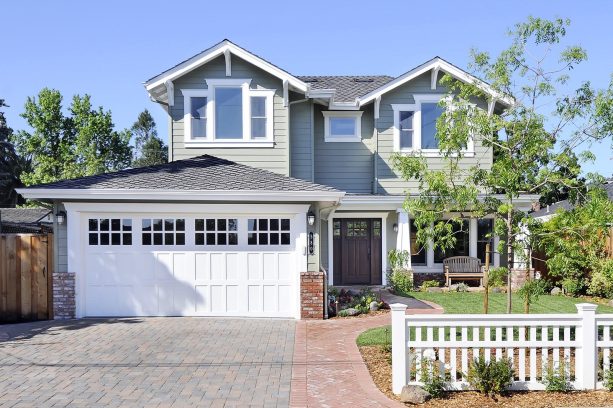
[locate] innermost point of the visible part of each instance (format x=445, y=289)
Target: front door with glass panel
x=357, y=251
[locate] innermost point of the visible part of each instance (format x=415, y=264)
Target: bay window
x=228, y=114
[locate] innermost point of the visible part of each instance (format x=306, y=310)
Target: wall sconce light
x=60, y=217
x=395, y=227
x=311, y=218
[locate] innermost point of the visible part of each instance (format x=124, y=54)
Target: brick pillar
x=312, y=295
x=518, y=277
x=64, y=295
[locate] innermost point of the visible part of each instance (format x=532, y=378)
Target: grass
x=472, y=302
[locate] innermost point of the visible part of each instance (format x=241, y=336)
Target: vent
x=311, y=80
x=363, y=80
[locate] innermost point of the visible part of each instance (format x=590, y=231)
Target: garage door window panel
x=216, y=231
x=265, y=231
x=168, y=231
x=109, y=231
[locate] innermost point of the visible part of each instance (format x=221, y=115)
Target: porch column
x=403, y=237
x=472, y=237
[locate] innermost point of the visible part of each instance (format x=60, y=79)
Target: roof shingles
x=348, y=88
x=202, y=173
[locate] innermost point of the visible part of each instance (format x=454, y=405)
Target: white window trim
x=357, y=136
x=416, y=108
x=209, y=93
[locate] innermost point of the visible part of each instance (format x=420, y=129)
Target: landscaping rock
x=497, y=290
x=374, y=306
x=414, y=394
x=351, y=312
x=610, y=303
x=556, y=291
x=453, y=288
x=434, y=290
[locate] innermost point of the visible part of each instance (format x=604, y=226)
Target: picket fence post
x=399, y=347
x=587, y=337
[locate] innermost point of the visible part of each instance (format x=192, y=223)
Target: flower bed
x=350, y=302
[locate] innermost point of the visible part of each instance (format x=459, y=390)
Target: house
x=25, y=221
x=273, y=178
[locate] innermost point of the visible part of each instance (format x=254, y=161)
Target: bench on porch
x=462, y=267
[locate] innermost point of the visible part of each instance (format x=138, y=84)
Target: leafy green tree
x=575, y=244
x=149, y=148
x=61, y=146
x=533, y=142
x=11, y=165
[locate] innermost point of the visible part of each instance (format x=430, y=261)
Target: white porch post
x=588, y=353
x=399, y=347
x=403, y=237
x=472, y=237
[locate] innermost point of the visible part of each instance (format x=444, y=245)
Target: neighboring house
x=272, y=178
x=25, y=221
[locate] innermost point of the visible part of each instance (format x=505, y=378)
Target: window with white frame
x=415, y=126
x=268, y=231
x=228, y=113
x=343, y=126
x=216, y=231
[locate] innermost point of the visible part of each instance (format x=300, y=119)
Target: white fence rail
x=578, y=343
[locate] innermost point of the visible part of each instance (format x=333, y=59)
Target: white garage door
x=189, y=265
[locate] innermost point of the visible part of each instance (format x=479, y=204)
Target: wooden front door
x=357, y=251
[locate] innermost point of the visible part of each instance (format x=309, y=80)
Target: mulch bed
x=379, y=364
x=362, y=315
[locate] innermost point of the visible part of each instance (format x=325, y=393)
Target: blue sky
x=107, y=49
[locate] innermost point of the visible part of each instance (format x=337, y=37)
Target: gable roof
x=202, y=177
x=551, y=209
x=437, y=64
x=222, y=47
x=347, y=87
x=23, y=215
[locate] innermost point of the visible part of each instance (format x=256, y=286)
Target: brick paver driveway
x=147, y=362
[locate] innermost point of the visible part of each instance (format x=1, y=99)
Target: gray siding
x=301, y=134
x=388, y=180
x=346, y=166
x=276, y=158
x=60, y=239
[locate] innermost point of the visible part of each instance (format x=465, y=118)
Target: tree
x=533, y=142
x=11, y=165
x=149, y=148
x=67, y=146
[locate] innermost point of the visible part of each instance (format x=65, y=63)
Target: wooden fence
x=26, y=263
x=579, y=343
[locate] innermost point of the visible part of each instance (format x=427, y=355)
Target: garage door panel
x=202, y=280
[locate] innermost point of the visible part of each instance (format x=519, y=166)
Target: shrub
x=462, y=287
x=557, y=380
x=602, y=279
x=497, y=277
x=433, y=378
x=402, y=281
x=343, y=313
x=607, y=380
x=492, y=377
x=430, y=284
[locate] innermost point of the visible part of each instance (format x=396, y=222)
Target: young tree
x=149, y=148
x=61, y=146
x=533, y=139
x=11, y=165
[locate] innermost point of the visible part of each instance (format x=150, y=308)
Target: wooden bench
x=462, y=267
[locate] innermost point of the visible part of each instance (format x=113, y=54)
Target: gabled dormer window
x=228, y=114
x=415, y=126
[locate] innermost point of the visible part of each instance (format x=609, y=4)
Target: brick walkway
x=154, y=362
x=328, y=367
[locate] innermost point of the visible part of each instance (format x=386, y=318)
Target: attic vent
x=363, y=80
x=311, y=80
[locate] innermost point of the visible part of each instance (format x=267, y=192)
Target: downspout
x=289, y=136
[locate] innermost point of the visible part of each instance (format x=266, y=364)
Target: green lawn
x=472, y=302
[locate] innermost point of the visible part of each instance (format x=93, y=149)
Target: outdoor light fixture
x=60, y=217
x=311, y=218
x=395, y=227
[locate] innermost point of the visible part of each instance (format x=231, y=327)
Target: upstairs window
x=228, y=114
x=415, y=126
x=343, y=126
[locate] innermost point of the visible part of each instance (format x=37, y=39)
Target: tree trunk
x=509, y=256
x=486, y=279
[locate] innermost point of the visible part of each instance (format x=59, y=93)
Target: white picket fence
x=579, y=343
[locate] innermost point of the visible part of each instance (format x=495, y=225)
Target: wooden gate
x=26, y=265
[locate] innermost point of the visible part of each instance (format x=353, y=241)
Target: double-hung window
x=229, y=113
x=343, y=126
x=415, y=126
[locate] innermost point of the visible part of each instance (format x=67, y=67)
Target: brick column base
x=518, y=277
x=64, y=295
x=421, y=277
x=312, y=295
